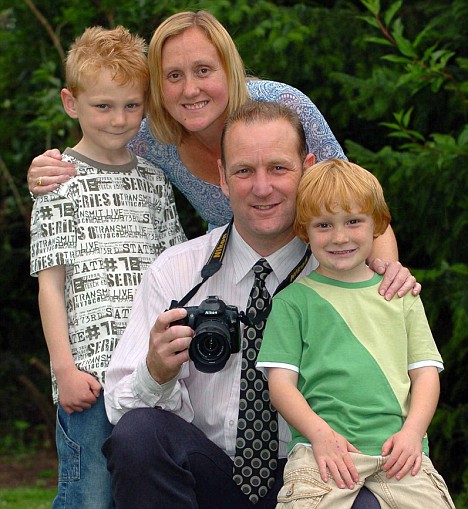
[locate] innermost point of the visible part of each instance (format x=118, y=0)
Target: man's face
x=261, y=175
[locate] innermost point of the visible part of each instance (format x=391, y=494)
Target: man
x=175, y=449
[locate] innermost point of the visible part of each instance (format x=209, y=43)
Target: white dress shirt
x=209, y=400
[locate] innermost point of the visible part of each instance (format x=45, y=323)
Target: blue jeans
x=83, y=479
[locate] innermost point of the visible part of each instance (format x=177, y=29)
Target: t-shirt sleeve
x=53, y=232
x=422, y=349
x=281, y=342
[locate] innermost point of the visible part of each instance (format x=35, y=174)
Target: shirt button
x=231, y=423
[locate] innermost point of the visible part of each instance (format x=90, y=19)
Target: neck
x=266, y=245
x=209, y=138
x=355, y=275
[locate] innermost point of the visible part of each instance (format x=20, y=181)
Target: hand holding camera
x=217, y=333
x=168, y=346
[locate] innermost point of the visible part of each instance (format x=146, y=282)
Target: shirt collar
x=281, y=261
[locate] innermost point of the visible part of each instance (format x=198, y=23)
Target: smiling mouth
x=264, y=207
x=344, y=252
x=196, y=106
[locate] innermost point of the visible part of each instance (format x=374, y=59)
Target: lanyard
x=216, y=260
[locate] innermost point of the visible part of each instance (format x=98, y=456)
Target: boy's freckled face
x=110, y=115
x=341, y=242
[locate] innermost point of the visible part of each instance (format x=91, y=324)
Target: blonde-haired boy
x=355, y=376
x=91, y=240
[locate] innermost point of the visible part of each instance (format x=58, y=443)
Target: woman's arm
x=384, y=260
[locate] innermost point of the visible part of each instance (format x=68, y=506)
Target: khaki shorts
x=304, y=489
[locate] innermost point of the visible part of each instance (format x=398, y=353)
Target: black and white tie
x=256, y=456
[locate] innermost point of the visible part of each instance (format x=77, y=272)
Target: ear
x=69, y=103
x=309, y=161
x=222, y=178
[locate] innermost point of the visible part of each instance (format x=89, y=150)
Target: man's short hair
x=261, y=112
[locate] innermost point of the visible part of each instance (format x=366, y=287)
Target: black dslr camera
x=217, y=333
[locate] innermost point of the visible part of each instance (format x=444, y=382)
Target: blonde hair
x=162, y=125
x=260, y=111
x=98, y=48
x=336, y=182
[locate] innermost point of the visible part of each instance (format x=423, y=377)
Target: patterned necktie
x=256, y=456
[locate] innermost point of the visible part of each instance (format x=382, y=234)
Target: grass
x=27, y=498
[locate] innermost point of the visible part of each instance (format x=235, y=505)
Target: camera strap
x=216, y=260
x=213, y=264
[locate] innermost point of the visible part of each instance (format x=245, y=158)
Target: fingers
x=47, y=171
x=167, y=318
x=402, y=465
x=41, y=188
x=397, y=280
x=169, y=343
x=407, y=286
x=416, y=289
x=95, y=387
x=343, y=472
x=54, y=153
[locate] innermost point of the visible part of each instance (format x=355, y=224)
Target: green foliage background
x=391, y=79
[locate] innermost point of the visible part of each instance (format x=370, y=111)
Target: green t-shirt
x=352, y=350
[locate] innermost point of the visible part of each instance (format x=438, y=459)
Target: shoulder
x=144, y=143
x=192, y=253
x=295, y=294
x=267, y=90
x=149, y=168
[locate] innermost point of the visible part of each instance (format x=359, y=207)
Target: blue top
x=208, y=199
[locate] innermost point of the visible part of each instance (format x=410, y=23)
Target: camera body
x=217, y=333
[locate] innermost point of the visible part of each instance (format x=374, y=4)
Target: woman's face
x=195, y=84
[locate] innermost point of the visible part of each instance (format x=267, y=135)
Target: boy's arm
x=384, y=260
x=331, y=450
x=77, y=390
x=406, y=445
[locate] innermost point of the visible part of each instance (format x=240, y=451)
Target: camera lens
x=209, y=349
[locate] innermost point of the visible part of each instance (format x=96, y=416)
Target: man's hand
x=168, y=346
x=47, y=171
x=78, y=390
x=397, y=279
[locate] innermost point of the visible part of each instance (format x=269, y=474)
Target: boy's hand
x=406, y=454
x=78, y=391
x=331, y=450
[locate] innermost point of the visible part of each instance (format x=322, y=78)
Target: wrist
x=64, y=369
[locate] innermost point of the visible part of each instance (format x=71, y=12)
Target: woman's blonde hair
x=123, y=53
x=162, y=125
x=336, y=182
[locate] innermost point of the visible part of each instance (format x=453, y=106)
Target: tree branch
x=45, y=23
x=14, y=189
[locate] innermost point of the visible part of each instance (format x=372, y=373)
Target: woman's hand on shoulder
x=397, y=279
x=47, y=171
